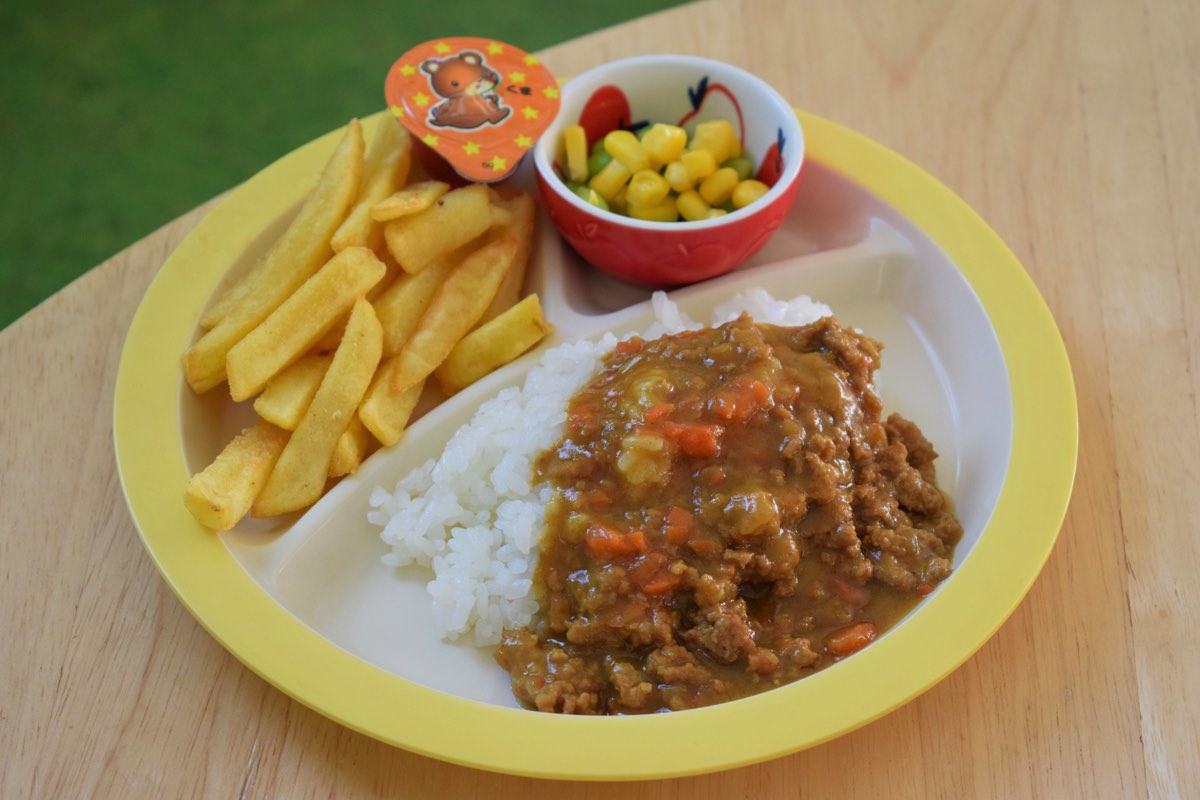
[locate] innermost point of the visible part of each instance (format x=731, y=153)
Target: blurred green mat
x=119, y=117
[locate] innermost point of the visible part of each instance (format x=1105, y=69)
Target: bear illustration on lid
x=466, y=85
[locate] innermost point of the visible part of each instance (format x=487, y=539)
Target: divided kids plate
x=971, y=354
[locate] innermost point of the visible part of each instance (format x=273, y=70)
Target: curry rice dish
x=728, y=513
x=655, y=525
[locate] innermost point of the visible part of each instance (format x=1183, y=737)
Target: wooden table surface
x=1074, y=130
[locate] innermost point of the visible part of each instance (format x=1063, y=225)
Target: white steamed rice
x=473, y=516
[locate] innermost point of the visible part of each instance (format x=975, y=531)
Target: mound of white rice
x=473, y=515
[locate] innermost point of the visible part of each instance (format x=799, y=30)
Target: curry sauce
x=729, y=513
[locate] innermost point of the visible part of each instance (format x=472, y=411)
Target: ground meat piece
x=890, y=570
x=921, y=454
x=797, y=653
x=762, y=661
x=711, y=590
x=915, y=494
x=947, y=528
x=633, y=689
x=724, y=632
x=687, y=683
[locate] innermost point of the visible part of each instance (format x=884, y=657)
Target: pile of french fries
x=376, y=286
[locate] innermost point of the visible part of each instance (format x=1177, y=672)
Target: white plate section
x=942, y=368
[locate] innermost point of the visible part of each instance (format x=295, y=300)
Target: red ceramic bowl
x=681, y=90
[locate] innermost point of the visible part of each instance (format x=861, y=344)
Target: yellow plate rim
x=949, y=628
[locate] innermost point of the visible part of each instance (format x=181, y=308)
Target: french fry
x=393, y=272
x=493, y=344
x=401, y=306
x=459, y=303
x=330, y=340
x=300, y=473
x=523, y=213
x=353, y=446
x=297, y=324
x=501, y=216
x=454, y=219
x=454, y=310
x=287, y=396
x=221, y=494
x=296, y=255
x=411, y=199
x=385, y=414
x=385, y=170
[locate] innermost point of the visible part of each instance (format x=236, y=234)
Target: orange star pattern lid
x=478, y=103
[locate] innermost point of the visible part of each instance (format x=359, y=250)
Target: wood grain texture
x=1072, y=128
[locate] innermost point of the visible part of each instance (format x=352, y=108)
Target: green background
x=117, y=117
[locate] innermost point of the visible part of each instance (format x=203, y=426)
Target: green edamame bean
x=742, y=165
x=588, y=195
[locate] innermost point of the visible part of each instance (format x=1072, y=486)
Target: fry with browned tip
x=221, y=494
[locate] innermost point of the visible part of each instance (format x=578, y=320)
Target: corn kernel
x=678, y=177
x=663, y=211
x=746, y=192
x=664, y=143
x=692, y=206
x=714, y=213
x=609, y=180
x=647, y=188
x=716, y=188
x=718, y=137
x=577, y=152
x=699, y=163
x=625, y=147
x=617, y=202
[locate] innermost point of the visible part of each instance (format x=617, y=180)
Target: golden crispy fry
x=393, y=272
x=455, y=309
x=385, y=414
x=297, y=254
x=523, y=212
x=287, y=396
x=222, y=493
x=493, y=344
x=299, y=476
x=385, y=171
x=301, y=321
x=330, y=340
x=455, y=219
x=353, y=446
x=410, y=200
x=501, y=216
x=401, y=306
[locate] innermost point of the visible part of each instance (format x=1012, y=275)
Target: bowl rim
x=544, y=148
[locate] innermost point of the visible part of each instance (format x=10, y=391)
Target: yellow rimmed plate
x=972, y=354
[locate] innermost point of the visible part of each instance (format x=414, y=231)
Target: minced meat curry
x=730, y=513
